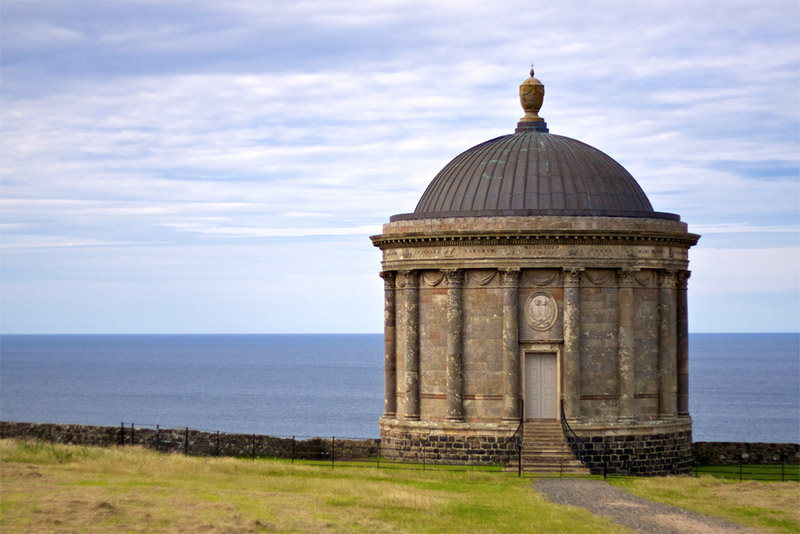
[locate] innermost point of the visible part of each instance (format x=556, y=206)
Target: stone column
x=455, y=376
x=512, y=379
x=667, y=346
x=683, y=344
x=411, y=304
x=389, y=345
x=625, y=353
x=572, y=342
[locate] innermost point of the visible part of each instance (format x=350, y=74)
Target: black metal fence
x=330, y=452
x=780, y=472
x=311, y=450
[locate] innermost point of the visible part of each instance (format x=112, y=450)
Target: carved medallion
x=541, y=311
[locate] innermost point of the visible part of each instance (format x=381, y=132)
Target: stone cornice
x=576, y=237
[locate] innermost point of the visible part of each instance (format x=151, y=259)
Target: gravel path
x=646, y=517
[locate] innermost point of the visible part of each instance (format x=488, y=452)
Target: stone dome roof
x=533, y=173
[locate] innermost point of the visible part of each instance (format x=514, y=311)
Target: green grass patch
x=751, y=472
x=85, y=489
x=769, y=506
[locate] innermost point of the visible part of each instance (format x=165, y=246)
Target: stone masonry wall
x=193, y=442
x=733, y=453
x=647, y=454
x=399, y=444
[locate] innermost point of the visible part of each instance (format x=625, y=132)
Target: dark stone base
x=448, y=443
x=652, y=450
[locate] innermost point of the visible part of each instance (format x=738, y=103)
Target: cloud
x=165, y=128
x=736, y=271
x=241, y=231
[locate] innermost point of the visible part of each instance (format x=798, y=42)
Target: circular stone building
x=535, y=298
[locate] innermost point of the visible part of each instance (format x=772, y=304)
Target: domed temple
x=535, y=296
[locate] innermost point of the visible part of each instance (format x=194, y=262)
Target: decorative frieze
x=599, y=277
x=541, y=277
x=432, y=278
x=530, y=250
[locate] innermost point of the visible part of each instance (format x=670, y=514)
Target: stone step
x=528, y=458
x=545, y=450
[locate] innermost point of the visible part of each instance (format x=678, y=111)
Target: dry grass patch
x=770, y=506
x=47, y=488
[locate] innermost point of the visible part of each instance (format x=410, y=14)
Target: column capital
x=509, y=277
x=409, y=279
x=625, y=276
x=572, y=276
x=666, y=279
x=389, y=279
x=683, y=279
x=453, y=277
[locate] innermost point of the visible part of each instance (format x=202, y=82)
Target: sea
x=742, y=387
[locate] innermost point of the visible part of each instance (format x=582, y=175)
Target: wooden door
x=541, y=393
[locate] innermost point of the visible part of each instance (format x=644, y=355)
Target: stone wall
x=637, y=454
x=732, y=453
x=194, y=442
x=471, y=445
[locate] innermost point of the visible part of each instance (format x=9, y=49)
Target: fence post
x=740, y=470
x=333, y=451
x=217, y=442
x=293, y=443
x=186, y=442
x=782, y=464
x=122, y=434
x=132, y=432
x=158, y=434
x=254, y=447
x=519, y=457
x=605, y=453
x=379, y=454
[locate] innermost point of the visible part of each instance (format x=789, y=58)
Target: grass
x=52, y=488
x=768, y=506
x=751, y=472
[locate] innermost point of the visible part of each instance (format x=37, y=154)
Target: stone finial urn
x=531, y=96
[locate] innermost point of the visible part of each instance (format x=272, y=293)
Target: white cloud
x=180, y=125
x=242, y=231
x=736, y=271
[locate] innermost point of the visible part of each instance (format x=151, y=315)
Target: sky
x=218, y=167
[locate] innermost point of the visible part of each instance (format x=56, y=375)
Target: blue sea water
x=743, y=387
